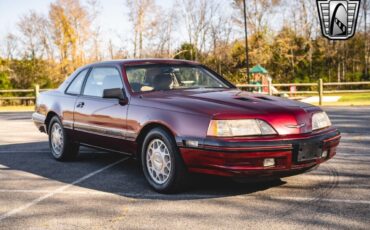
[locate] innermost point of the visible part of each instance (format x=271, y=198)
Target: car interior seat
x=162, y=81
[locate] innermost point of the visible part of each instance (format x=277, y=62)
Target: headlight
x=320, y=120
x=239, y=128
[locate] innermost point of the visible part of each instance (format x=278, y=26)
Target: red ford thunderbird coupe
x=179, y=117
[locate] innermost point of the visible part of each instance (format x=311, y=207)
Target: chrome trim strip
x=104, y=131
x=131, y=135
x=67, y=124
x=296, y=126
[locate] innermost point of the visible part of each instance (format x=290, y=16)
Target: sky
x=112, y=18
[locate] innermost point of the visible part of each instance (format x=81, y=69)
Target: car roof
x=145, y=61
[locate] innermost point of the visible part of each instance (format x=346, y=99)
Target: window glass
x=75, y=86
x=102, y=78
x=171, y=77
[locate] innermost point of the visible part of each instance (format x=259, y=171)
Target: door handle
x=80, y=104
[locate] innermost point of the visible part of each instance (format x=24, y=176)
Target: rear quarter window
x=76, y=85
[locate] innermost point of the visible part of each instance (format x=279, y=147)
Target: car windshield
x=171, y=77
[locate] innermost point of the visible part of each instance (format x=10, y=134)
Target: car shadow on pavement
x=124, y=179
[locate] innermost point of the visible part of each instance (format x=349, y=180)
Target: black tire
x=69, y=149
x=178, y=176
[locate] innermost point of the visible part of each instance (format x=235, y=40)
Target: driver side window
x=102, y=78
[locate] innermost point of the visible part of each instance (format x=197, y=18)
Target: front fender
x=180, y=124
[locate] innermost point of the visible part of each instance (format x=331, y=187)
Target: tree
x=35, y=37
x=142, y=15
x=71, y=30
x=220, y=36
x=162, y=34
x=11, y=46
x=365, y=7
x=4, y=76
x=45, y=49
x=94, y=7
x=260, y=50
x=187, y=51
x=198, y=16
x=259, y=13
x=289, y=52
x=25, y=73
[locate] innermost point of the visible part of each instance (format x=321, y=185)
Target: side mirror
x=116, y=93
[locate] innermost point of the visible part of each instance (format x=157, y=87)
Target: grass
x=363, y=97
x=350, y=99
x=345, y=103
x=17, y=108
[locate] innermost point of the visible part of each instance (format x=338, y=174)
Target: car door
x=99, y=121
x=69, y=100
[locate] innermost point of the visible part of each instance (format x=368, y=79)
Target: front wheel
x=161, y=162
x=62, y=148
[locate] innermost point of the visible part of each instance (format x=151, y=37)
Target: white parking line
x=60, y=189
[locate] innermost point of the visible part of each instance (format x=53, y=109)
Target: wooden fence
x=31, y=94
x=318, y=88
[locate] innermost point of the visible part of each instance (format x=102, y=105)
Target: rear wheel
x=62, y=148
x=161, y=162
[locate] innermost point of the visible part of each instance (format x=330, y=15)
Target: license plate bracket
x=309, y=151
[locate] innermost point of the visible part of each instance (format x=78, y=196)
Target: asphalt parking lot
x=104, y=190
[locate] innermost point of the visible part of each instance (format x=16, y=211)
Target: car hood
x=286, y=116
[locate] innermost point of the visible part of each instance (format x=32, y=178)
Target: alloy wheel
x=158, y=161
x=57, y=140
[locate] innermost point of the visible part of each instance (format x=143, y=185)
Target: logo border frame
x=322, y=25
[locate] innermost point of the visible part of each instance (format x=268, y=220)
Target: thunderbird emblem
x=338, y=18
x=296, y=126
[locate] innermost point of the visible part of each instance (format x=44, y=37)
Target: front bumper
x=245, y=158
